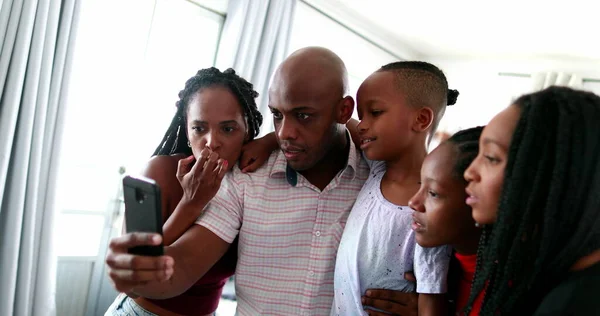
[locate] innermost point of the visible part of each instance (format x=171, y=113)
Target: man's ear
x=423, y=120
x=345, y=110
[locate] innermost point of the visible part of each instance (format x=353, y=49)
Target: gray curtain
x=254, y=42
x=35, y=37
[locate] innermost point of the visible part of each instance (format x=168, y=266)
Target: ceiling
x=218, y=6
x=475, y=29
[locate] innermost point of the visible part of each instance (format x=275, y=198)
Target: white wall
x=312, y=28
x=483, y=92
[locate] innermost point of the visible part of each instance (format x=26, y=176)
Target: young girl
x=441, y=216
x=216, y=115
x=535, y=186
x=400, y=106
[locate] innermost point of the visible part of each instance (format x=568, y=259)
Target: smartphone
x=143, y=211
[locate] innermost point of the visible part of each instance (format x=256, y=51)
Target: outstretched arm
x=186, y=260
x=183, y=264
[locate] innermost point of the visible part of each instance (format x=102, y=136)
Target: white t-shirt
x=378, y=246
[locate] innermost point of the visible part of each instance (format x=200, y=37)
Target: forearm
x=352, y=126
x=432, y=305
x=271, y=141
x=156, y=291
x=193, y=254
x=182, y=218
x=175, y=286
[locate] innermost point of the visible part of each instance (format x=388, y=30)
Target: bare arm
x=163, y=170
x=257, y=152
x=183, y=202
x=183, y=264
x=352, y=126
x=432, y=305
x=185, y=261
x=200, y=183
x=392, y=302
x=194, y=254
x=180, y=221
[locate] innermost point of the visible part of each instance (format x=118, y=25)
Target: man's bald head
x=311, y=71
x=310, y=108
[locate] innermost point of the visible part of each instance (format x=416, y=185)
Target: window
x=312, y=28
x=592, y=86
x=126, y=75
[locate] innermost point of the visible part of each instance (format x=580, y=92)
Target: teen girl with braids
x=441, y=216
x=535, y=185
x=216, y=115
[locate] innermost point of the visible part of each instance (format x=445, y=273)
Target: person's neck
x=407, y=167
x=468, y=246
x=586, y=261
x=321, y=174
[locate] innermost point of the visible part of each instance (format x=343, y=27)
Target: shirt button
x=311, y=273
x=317, y=233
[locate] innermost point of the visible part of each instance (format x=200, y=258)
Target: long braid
x=170, y=143
x=467, y=144
x=549, y=210
x=175, y=140
x=244, y=90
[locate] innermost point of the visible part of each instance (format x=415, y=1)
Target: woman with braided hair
x=534, y=186
x=216, y=116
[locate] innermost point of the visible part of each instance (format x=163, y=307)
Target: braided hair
x=549, y=210
x=424, y=84
x=466, y=143
x=175, y=140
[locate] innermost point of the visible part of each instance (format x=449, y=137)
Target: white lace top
x=378, y=246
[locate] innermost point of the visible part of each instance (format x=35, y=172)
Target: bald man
x=289, y=214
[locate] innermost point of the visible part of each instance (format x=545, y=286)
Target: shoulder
x=162, y=162
x=374, y=168
x=259, y=175
x=378, y=166
x=577, y=295
x=371, y=165
x=162, y=169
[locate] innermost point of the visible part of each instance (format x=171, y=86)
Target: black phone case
x=143, y=211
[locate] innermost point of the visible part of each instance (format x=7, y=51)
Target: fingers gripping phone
x=143, y=211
